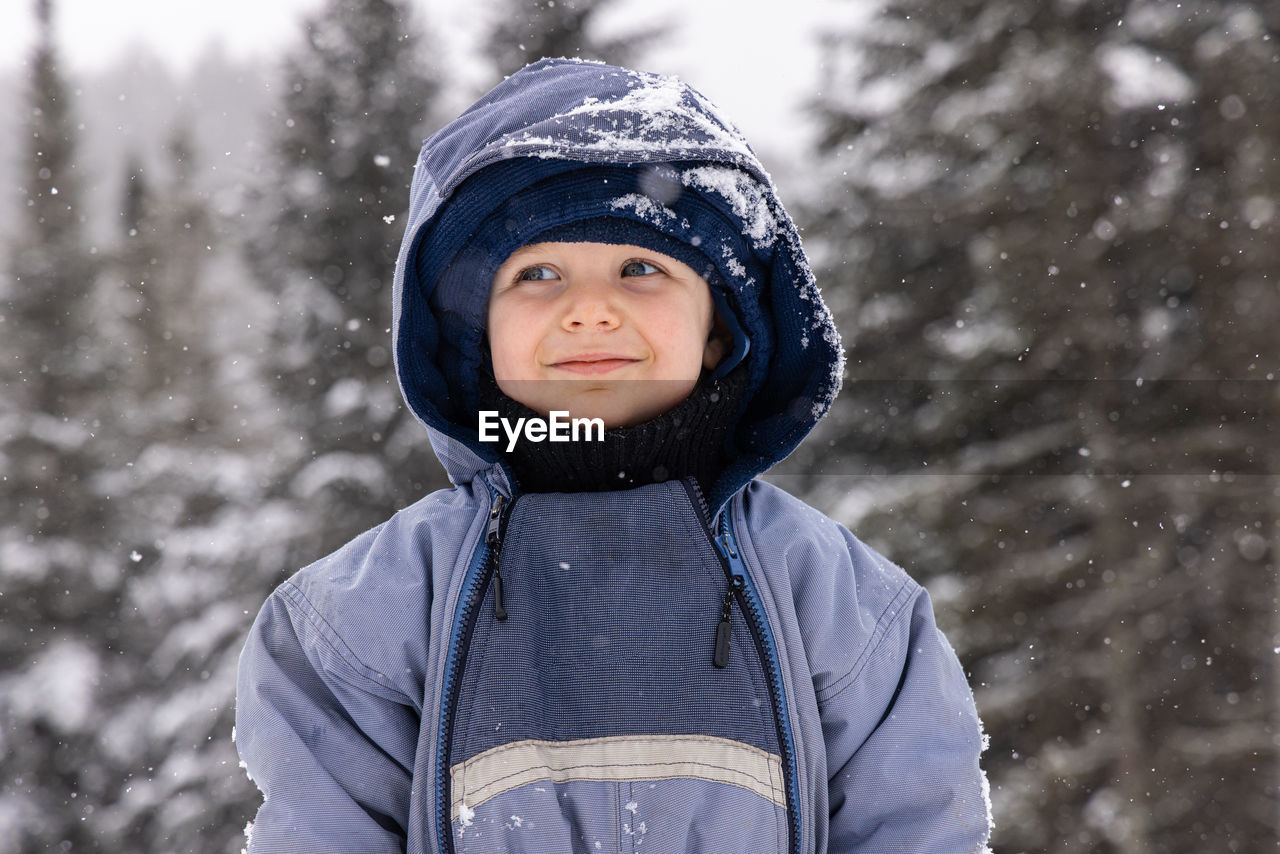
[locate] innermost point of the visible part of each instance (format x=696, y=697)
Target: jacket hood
x=553, y=119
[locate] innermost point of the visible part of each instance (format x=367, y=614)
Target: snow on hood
x=591, y=113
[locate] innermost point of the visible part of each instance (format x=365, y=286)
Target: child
x=623, y=642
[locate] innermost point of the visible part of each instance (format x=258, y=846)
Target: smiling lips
x=593, y=363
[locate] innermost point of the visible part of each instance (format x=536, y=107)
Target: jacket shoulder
x=845, y=596
x=772, y=512
x=388, y=555
x=382, y=579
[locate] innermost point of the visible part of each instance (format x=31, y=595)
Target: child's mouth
x=593, y=366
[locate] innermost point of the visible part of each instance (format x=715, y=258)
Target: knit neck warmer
x=686, y=440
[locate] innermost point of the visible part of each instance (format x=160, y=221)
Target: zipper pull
x=721, y=658
x=493, y=539
x=499, y=610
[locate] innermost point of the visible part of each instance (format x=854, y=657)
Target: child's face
x=604, y=331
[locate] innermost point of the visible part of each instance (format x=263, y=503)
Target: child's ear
x=718, y=342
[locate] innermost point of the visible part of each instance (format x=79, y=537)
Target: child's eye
x=536, y=274
x=639, y=268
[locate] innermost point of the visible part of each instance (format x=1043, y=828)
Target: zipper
x=493, y=538
x=741, y=589
x=484, y=564
x=721, y=657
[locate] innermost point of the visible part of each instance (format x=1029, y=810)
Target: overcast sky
x=753, y=57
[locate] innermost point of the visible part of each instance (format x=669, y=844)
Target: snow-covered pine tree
x=1032, y=208
x=51, y=523
x=167, y=232
x=356, y=97
x=188, y=463
x=50, y=265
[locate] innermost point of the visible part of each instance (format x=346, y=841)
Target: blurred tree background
x=1051, y=237
x=1052, y=242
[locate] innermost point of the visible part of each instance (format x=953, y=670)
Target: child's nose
x=591, y=308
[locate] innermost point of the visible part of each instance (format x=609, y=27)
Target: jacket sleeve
x=330, y=746
x=912, y=783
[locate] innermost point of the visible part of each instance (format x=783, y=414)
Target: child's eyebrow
x=517, y=260
x=524, y=253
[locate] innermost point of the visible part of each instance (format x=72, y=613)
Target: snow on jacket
x=382, y=707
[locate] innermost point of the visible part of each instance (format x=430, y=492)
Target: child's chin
x=618, y=403
x=612, y=417
x=618, y=417
x=623, y=409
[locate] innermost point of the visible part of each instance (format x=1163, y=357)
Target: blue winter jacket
x=382, y=707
